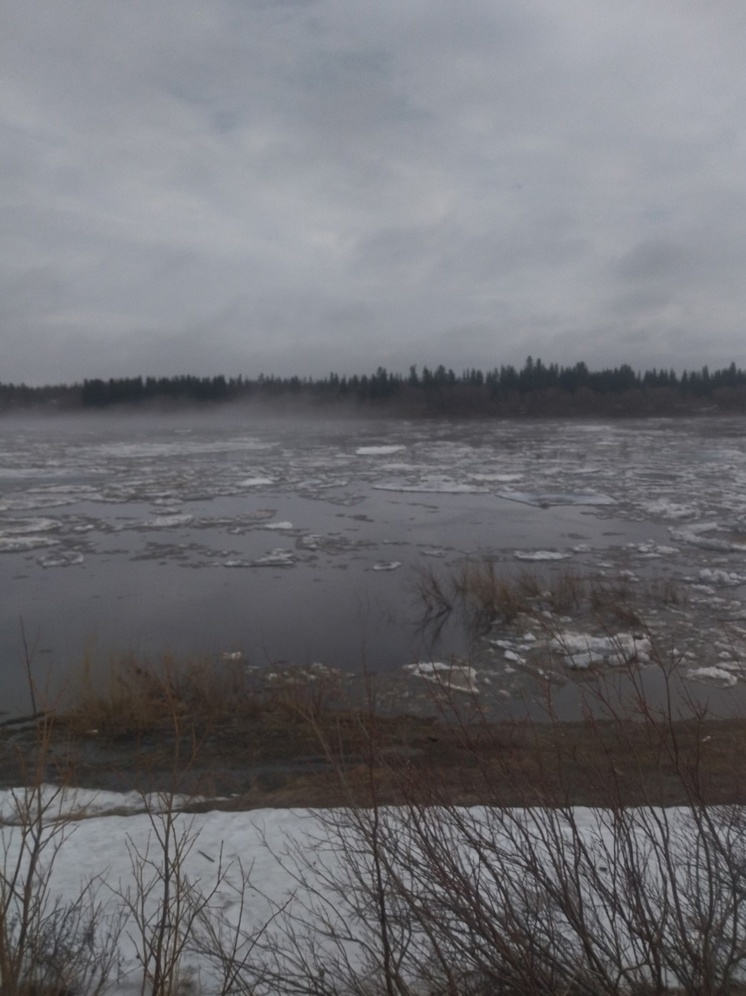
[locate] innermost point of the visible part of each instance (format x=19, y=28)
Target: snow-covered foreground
x=654, y=896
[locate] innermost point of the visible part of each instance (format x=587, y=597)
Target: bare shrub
x=630, y=895
x=434, y=592
x=46, y=945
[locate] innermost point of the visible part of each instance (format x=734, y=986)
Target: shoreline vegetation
x=286, y=735
x=241, y=742
x=536, y=390
x=276, y=838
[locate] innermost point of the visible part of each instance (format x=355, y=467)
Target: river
x=302, y=541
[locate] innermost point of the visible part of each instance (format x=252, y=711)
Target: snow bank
x=271, y=863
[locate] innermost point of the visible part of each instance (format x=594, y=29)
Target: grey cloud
x=315, y=183
x=654, y=261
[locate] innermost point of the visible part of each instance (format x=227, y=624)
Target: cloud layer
x=295, y=186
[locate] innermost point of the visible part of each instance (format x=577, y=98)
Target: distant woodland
x=535, y=390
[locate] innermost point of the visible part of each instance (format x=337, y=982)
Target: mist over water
x=300, y=540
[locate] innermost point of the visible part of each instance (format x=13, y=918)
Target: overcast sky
x=299, y=186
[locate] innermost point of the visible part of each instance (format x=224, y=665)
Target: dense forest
x=534, y=390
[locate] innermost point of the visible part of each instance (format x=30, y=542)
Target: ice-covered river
x=301, y=540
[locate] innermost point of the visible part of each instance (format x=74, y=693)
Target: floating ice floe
x=668, y=509
x=712, y=676
x=61, y=558
x=654, y=550
x=453, y=677
x=255, y=482
x=710, y=536
x=23, y=527
x=378, y=450
x=31, y=502
x=277, y=525
x=540, y=555
x=496, y=478
x=167, y=521
x=716, y=575
x=546, y=499
x=275, y=558
x=387, y=565
x=433, y=486
x=581, y=650
x=19, y=544
x=20, y=535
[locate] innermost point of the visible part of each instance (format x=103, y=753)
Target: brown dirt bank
x=280, y=757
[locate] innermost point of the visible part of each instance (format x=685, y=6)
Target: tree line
x=533, y=389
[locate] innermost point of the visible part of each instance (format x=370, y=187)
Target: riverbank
x=281, y=755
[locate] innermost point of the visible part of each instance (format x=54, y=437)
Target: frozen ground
x=300, y=541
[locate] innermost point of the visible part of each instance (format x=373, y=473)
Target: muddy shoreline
x=280, y=759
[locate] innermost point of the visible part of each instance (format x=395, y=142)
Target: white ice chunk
x=717, y=576
x=378, y=450
x=668, y=509
x=654, y=549
x=497, y=478
x=540, y=555
x=454, y=677
x=168, y=521
x=433, y=486
x=275, y=558
x=581, y=650
x=387, y=565
x=277, y=525
x=705, y=535
x=17, y=544
x=255, y=482
x=23, y=527
x=61, y=558
x=712, y=676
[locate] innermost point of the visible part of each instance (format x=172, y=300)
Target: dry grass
x=490, y=598
x=132, y=696
x=280, y=744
